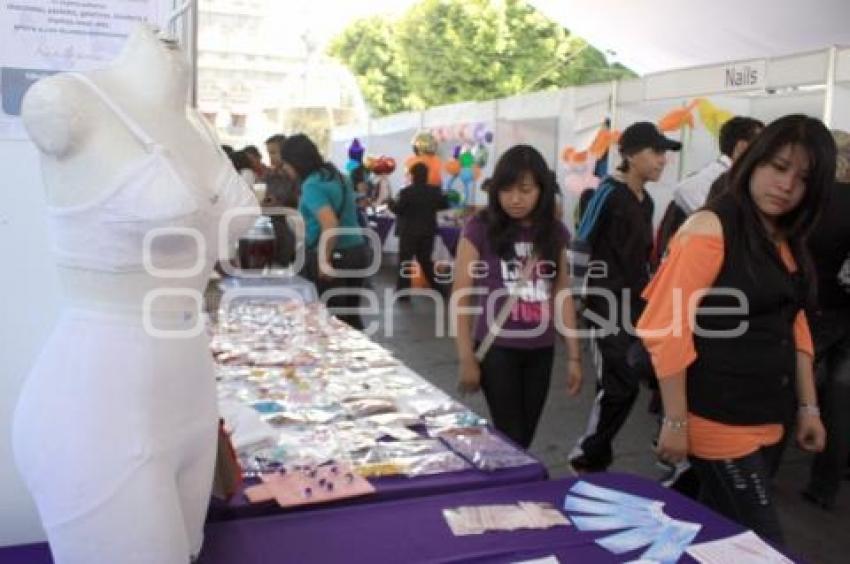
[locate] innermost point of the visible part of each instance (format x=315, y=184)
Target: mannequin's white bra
x=151, y=217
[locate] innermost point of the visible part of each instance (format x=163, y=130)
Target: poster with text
x=42, y=37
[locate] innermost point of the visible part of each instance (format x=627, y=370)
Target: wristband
x=809, y=409
x=675, y=424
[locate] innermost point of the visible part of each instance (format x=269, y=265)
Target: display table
x=38, y=553
x=415, y=530
x=269, y=286
x=389, y=488
x=295, y=390
x=383, y=225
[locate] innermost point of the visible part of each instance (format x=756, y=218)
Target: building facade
x=260, y=72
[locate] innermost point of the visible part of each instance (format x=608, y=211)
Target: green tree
x=369, y=48
x=446, y=51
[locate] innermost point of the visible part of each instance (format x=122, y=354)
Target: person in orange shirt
x=725, y=328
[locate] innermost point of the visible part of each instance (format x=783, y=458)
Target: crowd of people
x=732, y=311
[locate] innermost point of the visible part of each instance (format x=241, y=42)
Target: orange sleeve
x=802, y=335
x=692, y=265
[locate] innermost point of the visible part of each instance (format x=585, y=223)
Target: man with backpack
x=617, y=229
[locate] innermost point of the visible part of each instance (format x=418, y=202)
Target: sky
x=326, y=18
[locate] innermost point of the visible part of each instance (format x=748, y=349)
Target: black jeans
x=740, y=490
x=419, y=247
x=831, y=331
x=515, y=384
x=617, y=389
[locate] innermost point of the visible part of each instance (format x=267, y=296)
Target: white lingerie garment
x=115, y=435
x=115, y=429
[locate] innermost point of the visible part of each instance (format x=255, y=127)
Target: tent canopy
x=657, y=35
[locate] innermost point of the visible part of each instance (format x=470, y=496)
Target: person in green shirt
x=328, y=203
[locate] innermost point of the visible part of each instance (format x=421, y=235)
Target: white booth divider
x=840, y=106
x=584, y=111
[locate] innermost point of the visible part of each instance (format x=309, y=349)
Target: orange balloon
x=600, y=144
x=567, y=153
x=678, y=118
x=383, y=165
x=578, y=157
x=453, y=167
x=435, y=170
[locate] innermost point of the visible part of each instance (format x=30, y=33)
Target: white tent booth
x=838, y=104
x=808, y=83
x=545, y=120
x=650, y=36
x=814, y=83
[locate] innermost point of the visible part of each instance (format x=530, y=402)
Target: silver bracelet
x=809, y=409
x=675, y=424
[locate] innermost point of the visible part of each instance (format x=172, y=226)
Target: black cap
x=642, y=135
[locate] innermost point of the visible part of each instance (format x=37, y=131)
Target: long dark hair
x=810, y=134
x=240, y=160
x=502, y=230
x=303, y=155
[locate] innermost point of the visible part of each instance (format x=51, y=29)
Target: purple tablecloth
x=26, y=554
x=390, y=488
x=450, y=237
x=415, y=530
x=383, y=224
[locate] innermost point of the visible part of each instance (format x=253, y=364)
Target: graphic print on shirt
x=532, y=293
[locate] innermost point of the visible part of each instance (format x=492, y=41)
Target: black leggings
x=740, y=490
x=515, y=384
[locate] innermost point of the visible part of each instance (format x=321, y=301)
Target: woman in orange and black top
x=725, y=328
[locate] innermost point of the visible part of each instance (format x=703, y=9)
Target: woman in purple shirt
x=514, y=253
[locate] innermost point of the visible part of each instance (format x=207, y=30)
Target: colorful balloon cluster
x=466, y=167
x=468, y=133
x=378, y=165
x=355, y=155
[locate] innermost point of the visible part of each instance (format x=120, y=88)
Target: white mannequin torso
x=85, y=147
